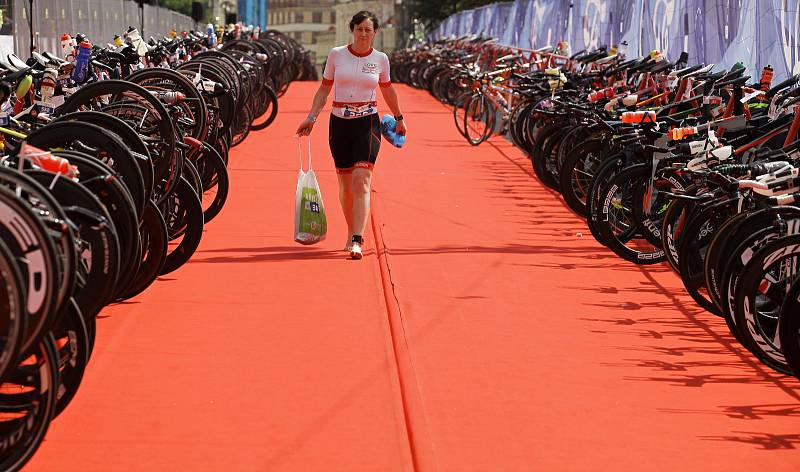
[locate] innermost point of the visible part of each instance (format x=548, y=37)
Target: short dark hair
x=364, y=15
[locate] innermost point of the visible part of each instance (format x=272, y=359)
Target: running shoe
x=355, y=250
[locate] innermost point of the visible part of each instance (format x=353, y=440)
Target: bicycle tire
x=187, y=202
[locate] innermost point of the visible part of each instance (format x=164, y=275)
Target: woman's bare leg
x=346, y=199
x=362, y=179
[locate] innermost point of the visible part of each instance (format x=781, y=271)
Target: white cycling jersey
x=354, y=78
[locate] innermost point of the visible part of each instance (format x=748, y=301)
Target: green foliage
x=432, y=12
x=181, y=6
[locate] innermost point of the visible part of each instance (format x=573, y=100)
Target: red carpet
x=489, y=335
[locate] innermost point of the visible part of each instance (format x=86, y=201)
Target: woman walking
x=354, y=72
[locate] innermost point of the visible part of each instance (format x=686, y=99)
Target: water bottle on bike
x=80, y=72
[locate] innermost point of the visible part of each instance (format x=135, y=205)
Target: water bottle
x=389, y=131
x=637, y=117
x=766, y=78
x=80, y=72
x=212, y=35
x=135, y=39
x=622, y=49
x=67, y=47
x=48, y=84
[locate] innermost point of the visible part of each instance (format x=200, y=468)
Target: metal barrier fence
x=99, y=20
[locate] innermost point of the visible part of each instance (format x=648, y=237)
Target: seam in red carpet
x=420, y=448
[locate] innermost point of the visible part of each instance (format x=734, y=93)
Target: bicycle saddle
x=43, y=61
x=606, y=59
x=662, y=66
x=7, y=65
x=17, y=62
x=593, y=56
x=733, y=74
x=688, y=70
x=705, y=73
x=577, y=55
x=54, y=59
x=737, y=81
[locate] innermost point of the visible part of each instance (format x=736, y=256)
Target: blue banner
x=722, y=32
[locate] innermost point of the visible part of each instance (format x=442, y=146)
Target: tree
x=180, y=6
x=431, y=13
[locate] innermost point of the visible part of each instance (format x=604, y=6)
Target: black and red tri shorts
x=354, y=142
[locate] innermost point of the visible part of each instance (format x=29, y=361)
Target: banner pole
x=30, y=25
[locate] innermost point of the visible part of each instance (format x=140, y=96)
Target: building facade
x=309, y=22
x=319, y=25
x=387, y=39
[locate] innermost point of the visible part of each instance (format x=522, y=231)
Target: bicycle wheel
x=99, y=259
x=734, y=270
x=105, y=146
x=576, y=135
x=128, y=135
x=183, y=214
x=47, y=208
x=761, y=294
x=270, y=109
x=546, y=160
x=13, y=316
x=594, y=204
x=538, y=160
x=626, y=221
x=241, y=125
x=671, y=229
x=459, y=112
x=153, y=234
x=143, y=112
x=214, y=177
x=72, y=342
x=577, y=172
x=695, y=240
x=478, y=119
x=194, y=107
x=27, y=402
x=98, y=179
x=27, y=237
x=789, y=329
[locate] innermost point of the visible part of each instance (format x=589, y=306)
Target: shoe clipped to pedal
x=389, y=131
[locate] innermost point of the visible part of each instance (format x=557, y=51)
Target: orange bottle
x=634, y=117
x=766, y=78
x=679, y=133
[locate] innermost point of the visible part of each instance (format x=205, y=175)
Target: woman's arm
x=320, y=98
x=316, y=107
x=390, y=95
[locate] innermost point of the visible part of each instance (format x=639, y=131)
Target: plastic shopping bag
x=310, y=225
